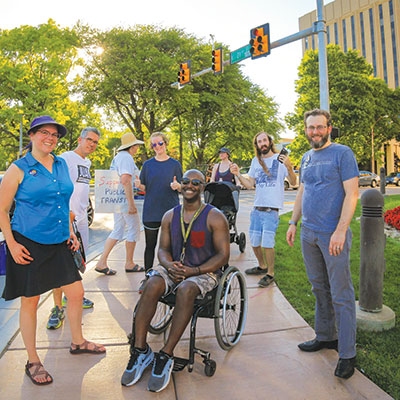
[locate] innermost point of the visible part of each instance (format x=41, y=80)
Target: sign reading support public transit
x=109, y=193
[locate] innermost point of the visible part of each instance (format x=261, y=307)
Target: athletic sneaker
x=86, y=303
x=256, y=271
x=161, y=372
x=56, y=318
x=265, y=281
x=138, y=362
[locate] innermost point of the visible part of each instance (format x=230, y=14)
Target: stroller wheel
x=242, y=242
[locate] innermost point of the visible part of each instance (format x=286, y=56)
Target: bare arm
x=296, y=215
x=248, y=183
x=164, y=248
x=291, y=175
x=8, y=189
x=349, y=205
x=126, y=182
x=213, y=172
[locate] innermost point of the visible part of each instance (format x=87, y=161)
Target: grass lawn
x=378, y=353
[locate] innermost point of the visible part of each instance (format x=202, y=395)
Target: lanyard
x=186, y=232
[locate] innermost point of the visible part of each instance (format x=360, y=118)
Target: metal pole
x=322, y=57
x=20, y=138
x=373, y=149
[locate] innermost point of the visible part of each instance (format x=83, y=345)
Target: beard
x=265, y=149
x=319, y=144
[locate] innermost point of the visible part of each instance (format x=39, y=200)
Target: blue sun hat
x=45, y=120
x=224, y=150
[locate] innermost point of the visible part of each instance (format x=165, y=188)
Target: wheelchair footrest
x=180, y=363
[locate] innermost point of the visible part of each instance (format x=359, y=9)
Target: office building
x=373, y=28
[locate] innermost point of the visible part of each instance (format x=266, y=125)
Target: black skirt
x=52, y=267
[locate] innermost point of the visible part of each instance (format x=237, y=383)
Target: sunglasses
x=194, y=182
x=157, y=144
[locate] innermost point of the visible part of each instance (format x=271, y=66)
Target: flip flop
x=136, y=268
x=106, y=271
x=84, y=348
x=39, y=370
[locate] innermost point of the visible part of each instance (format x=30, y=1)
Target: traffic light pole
x=318, y=28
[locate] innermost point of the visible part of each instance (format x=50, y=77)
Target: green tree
x=131, y=78
x=358, y=102
x=35, y=64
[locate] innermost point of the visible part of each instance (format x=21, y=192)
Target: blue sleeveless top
x=199, y=247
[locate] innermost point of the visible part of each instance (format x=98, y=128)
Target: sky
x=228, y=21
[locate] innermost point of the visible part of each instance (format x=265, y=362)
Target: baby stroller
x=225, y=196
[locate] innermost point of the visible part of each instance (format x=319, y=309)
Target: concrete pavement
x=265, y=364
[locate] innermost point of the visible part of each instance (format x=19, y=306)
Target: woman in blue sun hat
x=221, y=171
x=40, y=239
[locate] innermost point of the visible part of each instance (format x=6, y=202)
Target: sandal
x=84, y=348
x=136, y=268
x=39, y=371
x=106, y=271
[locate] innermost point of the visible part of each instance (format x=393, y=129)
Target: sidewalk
x=265, y=364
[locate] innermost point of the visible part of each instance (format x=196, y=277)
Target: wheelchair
x=226, y=304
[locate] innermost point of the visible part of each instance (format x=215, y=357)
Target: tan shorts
x=205, y=282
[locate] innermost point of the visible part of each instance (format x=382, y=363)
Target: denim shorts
x=263, y=226
x=205, y=282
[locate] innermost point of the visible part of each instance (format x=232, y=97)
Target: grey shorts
x=205, y=282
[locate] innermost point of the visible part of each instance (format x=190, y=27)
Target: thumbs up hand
x=175, y=185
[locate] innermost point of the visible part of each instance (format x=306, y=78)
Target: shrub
x=392, y=217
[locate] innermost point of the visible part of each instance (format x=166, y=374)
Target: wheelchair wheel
x=230, y=308
x=162, y=319
x=242, y=242
x=210, y=367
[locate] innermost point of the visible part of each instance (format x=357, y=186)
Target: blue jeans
x=335, y=309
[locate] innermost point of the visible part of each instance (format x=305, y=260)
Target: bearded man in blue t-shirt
x=326, y=201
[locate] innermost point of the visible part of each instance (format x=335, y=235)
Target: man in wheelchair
x=194, y=245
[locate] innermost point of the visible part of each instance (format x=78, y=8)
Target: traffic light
x=184, y=73
x=217, y=61
x=259, y=41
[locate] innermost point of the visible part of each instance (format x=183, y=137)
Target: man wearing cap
x=40, y=239
x=221, y=171
x=267, y=173
x=125, y=166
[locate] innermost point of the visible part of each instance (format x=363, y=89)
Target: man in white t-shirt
x=79, y=171
x=267, y=174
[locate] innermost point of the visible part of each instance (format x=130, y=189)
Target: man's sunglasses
x=157, y=144
x=194, y=182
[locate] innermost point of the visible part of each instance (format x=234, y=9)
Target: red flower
x=392, y=217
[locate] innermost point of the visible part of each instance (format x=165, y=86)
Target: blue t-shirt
x=322, y=173
x=157, y=177
x=42, y=201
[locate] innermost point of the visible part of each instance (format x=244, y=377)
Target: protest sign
x=109, y=193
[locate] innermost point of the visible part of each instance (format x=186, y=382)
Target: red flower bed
x=392, y=217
